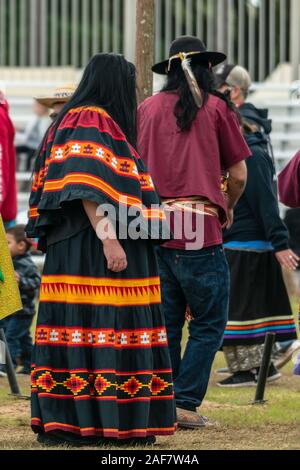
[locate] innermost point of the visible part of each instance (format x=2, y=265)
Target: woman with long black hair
x=189, y=136
x=101, y=367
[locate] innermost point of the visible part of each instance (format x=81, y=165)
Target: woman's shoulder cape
x=89, y=158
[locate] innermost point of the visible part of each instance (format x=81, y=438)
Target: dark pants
x=17, y=333
x=199, y=279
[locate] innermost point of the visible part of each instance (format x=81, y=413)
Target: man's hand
x=115, y=255
x=288, y=259
x=18, y=277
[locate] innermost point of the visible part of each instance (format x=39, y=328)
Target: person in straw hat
x=58, y=99
x=28, y=141
x=188, y=134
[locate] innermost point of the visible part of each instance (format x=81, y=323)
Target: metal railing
x=58, y=32
x=258, y=34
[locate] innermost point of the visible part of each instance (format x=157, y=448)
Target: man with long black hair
x=189, y=136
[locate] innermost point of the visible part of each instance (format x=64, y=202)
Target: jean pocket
x=202, y=293
x=199, y=281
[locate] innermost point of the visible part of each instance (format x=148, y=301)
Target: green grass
x=241, y=425
x=281, y=407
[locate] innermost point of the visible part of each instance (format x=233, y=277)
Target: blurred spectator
x=8, y=192
x=256, y=247
x=58, y=99
x=27, y=142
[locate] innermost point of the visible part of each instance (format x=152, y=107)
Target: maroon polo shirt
x=191, y=163
x=289, y=183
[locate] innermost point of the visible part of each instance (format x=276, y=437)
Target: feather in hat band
x=179, y=56
x=185, y=58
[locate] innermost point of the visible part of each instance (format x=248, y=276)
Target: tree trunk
x=145, y=47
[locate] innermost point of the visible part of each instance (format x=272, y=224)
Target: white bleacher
x=282, y=101
x=22, y=85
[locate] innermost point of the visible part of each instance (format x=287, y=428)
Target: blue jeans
x=199, y=279
x=17, y=332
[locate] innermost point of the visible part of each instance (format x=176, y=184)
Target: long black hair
x=186, y=109
x=108, y=81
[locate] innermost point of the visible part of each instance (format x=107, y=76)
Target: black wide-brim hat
x=192, y=46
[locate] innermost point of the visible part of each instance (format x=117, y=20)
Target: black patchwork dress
x=101, y=364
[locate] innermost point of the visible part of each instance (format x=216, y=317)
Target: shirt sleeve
x=233, y=147
x=289, y=183
x=261, y=196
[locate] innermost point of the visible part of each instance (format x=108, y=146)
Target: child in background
x=17, y=326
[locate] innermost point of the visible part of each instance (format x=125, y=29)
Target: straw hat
x=60, y=95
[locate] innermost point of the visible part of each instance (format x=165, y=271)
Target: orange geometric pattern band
x=86, y=179
x=94, y=109
x=100, y=291
x=105, y=385
x=101, y=337
x=87, y=149
x=33, y=213
x=115, y=433
x=39, y=177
